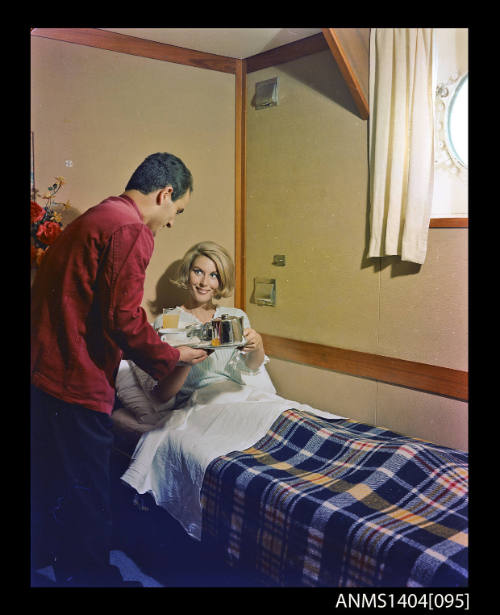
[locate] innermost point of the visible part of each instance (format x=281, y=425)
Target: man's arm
x=122, y=289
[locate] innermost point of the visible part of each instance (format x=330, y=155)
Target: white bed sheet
x=170, y=461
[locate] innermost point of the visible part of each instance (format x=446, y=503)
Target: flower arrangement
x=46, y=223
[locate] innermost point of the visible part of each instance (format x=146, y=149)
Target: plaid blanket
x=336, y=503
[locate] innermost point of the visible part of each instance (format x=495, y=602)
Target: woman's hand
x=253, y=348
x=253, y=340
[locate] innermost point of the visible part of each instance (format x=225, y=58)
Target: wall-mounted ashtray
x=265, y=291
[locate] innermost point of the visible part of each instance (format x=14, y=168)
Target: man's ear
x=164, y=193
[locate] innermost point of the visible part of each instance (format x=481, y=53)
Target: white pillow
x=132, y=390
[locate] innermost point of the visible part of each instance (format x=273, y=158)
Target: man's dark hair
x=160, y=170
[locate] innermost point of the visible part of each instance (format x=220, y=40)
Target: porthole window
x=452, y=124
x=457, y=122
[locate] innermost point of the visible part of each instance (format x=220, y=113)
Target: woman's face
x=203, y=279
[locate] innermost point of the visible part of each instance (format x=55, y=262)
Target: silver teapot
x=226, y=329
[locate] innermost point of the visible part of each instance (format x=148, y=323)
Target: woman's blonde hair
x=221, y=259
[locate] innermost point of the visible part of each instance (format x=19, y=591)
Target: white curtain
x=401, y=141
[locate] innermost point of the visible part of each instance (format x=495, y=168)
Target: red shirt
x=86, y=307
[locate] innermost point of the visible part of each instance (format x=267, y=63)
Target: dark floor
x=161, y=548
x=151, y=546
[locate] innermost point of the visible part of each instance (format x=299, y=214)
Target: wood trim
x=347, y=72
x=356, y=45
x=421, y=376
x=287, y=53
x=122, y=43
x=449, y=223
x=240, y=181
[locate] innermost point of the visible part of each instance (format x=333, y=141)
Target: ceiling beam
x=123, y=43
x=287, y=52
x=350, y=48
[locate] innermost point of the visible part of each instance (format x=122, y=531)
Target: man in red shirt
x=85, y=315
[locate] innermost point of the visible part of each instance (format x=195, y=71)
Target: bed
x=299, y=496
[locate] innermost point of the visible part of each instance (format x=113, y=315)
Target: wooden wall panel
x=421, y=376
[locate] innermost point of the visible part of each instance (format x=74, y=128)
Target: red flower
x=37, y=212
x=48, y=232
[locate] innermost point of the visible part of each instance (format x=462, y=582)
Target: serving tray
x=207, y=345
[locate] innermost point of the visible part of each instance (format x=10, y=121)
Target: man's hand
x=191, y=356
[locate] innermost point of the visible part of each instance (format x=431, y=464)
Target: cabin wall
x=307, y=183
x=106, y=111
x=307, y=198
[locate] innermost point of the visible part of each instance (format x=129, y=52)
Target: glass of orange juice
x=170, y=318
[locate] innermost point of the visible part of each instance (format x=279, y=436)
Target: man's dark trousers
x=70, y=491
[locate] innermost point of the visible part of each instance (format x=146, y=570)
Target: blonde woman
x=206, y=274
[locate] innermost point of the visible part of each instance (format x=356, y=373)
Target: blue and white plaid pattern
x=336, y=503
